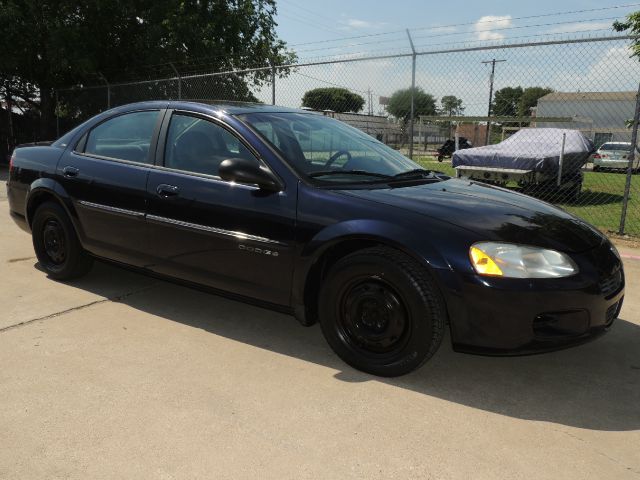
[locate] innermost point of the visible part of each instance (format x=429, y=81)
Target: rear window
x=616, y=146
x=125, y=137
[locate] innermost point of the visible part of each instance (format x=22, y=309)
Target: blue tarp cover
x=536, y=149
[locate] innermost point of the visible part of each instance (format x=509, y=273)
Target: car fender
x=392, y=234
x=412, y=242
x=50, y=187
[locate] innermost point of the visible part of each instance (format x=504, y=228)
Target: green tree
x=529, y=99
x=49, y=44
x=631, y=25
x=400, y=104
x=451, y=105
x=336, y=99
x=506, y=101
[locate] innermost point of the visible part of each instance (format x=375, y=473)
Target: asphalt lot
x=122, y=376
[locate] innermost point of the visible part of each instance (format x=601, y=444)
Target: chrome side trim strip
x=108, y=208
x=214, y=230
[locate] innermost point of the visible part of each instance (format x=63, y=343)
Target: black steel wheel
x=381, y=311
x=372, y=316
x=56, y=244
x=53, y=237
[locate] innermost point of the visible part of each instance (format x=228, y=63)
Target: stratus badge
x=262, y=251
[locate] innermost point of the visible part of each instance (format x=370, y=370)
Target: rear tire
x=381, y=312
x=56, y=243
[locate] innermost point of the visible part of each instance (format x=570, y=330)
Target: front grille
x=611, y=284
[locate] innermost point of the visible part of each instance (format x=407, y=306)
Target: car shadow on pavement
x=594, y=386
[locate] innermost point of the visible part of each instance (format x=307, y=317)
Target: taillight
x=597, y=155
x=13, y=156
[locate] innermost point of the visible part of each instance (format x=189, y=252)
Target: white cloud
x=616, y=68
x=357, y=23
x=483, y=28
x=354, y=22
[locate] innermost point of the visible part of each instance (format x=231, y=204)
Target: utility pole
x=493, y=71
x=413, y=92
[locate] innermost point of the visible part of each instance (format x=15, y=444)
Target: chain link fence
x=429, y=104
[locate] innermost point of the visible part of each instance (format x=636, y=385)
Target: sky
x=302, y=21
x=350, y=29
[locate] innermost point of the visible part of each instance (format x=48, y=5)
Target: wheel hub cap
x=53, y=237
x=373, y=316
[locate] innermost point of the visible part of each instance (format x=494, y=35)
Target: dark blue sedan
x=304, y=214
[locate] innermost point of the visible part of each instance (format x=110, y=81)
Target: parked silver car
x=615, y=155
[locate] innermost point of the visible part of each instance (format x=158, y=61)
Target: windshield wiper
x=322, y=173
x=415, y=173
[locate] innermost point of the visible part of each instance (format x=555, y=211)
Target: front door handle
x=163, y=190
x=70, y=172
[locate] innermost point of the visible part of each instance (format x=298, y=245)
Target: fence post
x=413, y=91
x=108, y=89
x=561, y=160
x=273, y=85
x=627, y=185
x=179, y=80
x=57, y=115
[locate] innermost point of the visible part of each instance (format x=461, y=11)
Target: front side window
x=200, y=146
x=125, y=137
x=326, y=149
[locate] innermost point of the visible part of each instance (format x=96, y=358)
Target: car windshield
x=327, y=150
x=625, y=147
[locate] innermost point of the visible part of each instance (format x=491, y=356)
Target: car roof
x=616, y=143
x=211, y=106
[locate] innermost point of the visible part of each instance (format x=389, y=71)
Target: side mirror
x=242, y=170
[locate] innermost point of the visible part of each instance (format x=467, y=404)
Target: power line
x=304, y=9
x=461, y=43
x=309, y=18
x=571, y=12
x=519, y=27
x=311, y=24
x=505, y=39
x=533, y=16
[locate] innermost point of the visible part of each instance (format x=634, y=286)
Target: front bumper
x=499, y=316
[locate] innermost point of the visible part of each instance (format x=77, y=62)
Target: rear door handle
x=163, y=190
x=70, y=172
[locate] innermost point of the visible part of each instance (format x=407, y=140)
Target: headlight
x=519, y=261
x=615, y=251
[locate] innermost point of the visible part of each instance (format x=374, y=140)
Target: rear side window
x=125, y=137
x=200, y=146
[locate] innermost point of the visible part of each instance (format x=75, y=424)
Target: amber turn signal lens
x=483, y=263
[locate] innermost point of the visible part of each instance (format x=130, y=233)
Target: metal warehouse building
x=602, y=116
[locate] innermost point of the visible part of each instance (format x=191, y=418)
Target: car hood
x=492, y=213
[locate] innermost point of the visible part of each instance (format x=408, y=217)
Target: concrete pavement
x=122, y=376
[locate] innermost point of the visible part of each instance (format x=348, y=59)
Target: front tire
x=381, y=312
x=56, y=244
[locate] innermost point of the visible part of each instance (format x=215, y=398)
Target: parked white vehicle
x=615, y=155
